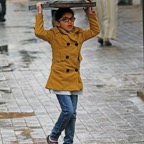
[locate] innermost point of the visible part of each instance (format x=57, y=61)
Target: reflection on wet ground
x=18, y=26
x=8, y=67
x=26, y=133
x=27, y=56
x=141, y=94
x=1, y=103
x=8, y=115
x=10, y=51
x=33, y=40
x=5, y=89
x=4, y=49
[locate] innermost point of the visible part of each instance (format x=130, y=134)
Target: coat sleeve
x=94, y=27
x=39, y=29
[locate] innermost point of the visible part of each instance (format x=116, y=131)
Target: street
x=111, y=109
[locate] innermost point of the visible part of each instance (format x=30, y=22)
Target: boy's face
x=66, y=22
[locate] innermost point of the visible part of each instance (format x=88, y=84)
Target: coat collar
x=71, y=35
x=59, y=30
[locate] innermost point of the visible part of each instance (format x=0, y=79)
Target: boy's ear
x=57, y=23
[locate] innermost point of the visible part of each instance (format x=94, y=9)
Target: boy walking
x=64, y=80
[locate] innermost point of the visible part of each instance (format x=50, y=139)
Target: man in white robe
x=107, y=15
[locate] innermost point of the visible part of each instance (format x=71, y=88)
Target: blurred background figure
x=2, y=10
x=107, y=15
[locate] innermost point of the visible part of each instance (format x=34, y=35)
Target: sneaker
x=50, y=141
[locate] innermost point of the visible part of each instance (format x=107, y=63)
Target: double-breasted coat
x=66, y=56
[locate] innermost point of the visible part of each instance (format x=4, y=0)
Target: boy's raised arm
x=39, y=8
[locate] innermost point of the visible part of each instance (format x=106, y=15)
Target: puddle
x=9, y=115
x=138, y=101
x=19, y=26
x=100, y=86
x=27, y=56
x=28, y=33
x=5, y=89
x=39, y=141
x=140, y=94
x=8, y=67
x=19, y=1
x=4, y=49
x=26, y=133
x=29, y=41
x=1, y=103
x=2, y=78
x=23, y=134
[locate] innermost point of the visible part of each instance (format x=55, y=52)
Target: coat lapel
x=71, y=35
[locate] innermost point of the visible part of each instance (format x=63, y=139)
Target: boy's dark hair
x=61, y=11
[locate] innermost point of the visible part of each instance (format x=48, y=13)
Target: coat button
x=68, y=44
x=76, y=44
x=67, y=57
x=67, y=70
x=76, y=70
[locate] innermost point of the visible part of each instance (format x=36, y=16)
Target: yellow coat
x=66, y=57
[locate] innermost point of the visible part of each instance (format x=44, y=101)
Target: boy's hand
x=39, y=7
x=88, y=10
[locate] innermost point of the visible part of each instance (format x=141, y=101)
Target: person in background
x=2, y=10
x=64, y=80
x=107, y=15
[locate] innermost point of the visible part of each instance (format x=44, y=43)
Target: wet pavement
x=111, y=110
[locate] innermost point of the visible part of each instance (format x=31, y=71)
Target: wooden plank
x=71, y=4
x=64, y=4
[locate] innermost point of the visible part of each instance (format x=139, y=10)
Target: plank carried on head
x=64, y=4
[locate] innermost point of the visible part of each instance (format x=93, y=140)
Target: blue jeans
x=67, y=118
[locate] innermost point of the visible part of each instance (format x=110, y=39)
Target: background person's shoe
x=2, y=19
x=107, y=43
x=50, y=141
x=100, y=40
